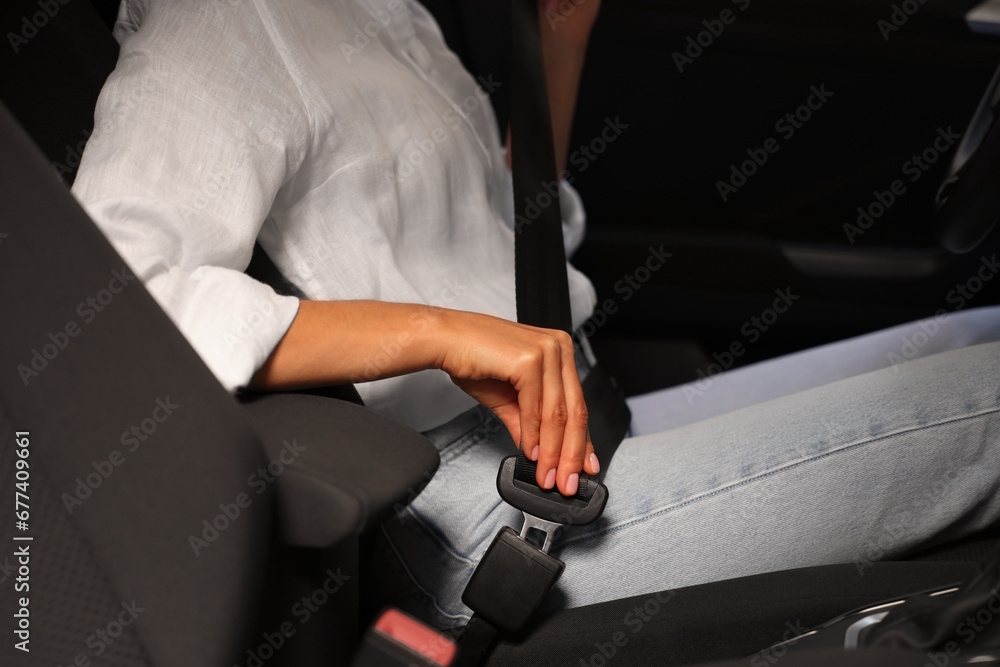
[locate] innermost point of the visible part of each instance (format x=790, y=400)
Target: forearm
x=336, y=342
x=525, y=375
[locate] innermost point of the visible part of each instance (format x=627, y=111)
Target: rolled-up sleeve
x=180, y=173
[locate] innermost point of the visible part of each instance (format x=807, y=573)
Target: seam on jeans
x=770, y=473
x=433, y=599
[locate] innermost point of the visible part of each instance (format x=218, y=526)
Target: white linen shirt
x=341, y=134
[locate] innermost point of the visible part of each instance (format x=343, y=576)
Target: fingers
x=565, y=448
x=575, y=439
x=555, y=414
x=591, y=463
x=528, y=377
x=529, y=401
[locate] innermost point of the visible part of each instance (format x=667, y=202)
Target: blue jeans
x=857, y=469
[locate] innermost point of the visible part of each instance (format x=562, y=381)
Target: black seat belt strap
x=517, y=572
x=541, y=283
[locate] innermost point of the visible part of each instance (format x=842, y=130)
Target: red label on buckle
x=416, y=636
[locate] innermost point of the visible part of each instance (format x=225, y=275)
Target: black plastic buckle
x=511, y=582
x=583, y=508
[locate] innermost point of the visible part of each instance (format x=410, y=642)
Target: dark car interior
x=657, y=182
x=281, y=579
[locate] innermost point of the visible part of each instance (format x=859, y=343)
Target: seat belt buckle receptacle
x=511, y=581
x=516, y=573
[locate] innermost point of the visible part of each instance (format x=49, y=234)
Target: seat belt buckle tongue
x=533, y=525
x=549, y=505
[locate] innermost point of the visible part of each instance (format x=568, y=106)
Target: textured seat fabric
x=66, y=576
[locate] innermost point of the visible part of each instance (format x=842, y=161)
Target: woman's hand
x=527, y=377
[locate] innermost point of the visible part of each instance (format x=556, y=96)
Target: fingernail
x=550, y=479
x=572, y=484
x=534, y=454
x=594, y=464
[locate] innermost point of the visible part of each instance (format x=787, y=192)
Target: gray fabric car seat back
x=137, y=442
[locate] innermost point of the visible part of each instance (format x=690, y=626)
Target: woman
x=347, y=139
